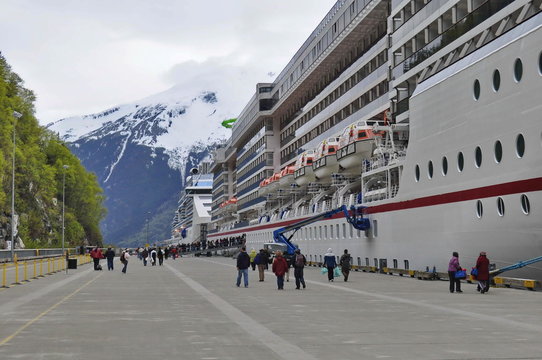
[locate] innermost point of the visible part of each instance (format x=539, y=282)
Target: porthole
x=496, y=80
x=460, y=162
x=444, y=166
x=500, y=206
x=479, y=209
x=518, y=70
x=417, y=170
x=498, y=151
x=430, y=169
x=477, y=89
x=520, y=145
x=525, y=204
x=478, y=157
x=540, y=63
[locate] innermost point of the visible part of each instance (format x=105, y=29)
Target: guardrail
x=5, y=255
x=23, y=271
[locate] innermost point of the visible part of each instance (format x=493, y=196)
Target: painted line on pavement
x=275, y=343
x=10, y=306
x=30, y=322
x=417, y=303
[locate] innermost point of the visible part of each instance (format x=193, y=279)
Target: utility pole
x=63, y=204
x=17, y=116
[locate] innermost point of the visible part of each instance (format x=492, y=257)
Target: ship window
x=359, y=261
x=500, y=206
x=406, y=265
x=518, y=70
x=478, y=157
x=351, y=232
x=376, y=262
x=395, y=266
x=344, y=231
x=325, y=231
x=375, y=228
x=496, y=80
x=337, y=232
x=417, y=170
x=540, y=63
x=479, y=209
x=330, y=231
x=525, y=204
x=498, y=151
x=430, y=169
x=520, y=146
x=460, y=161
x=366, y=261
x=476, y=89
x=444, y=166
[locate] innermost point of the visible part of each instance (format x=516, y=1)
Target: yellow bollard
x=35, y=277
x=16, y=273
x=41, y=267
x=4, y=272
x=48, y=266
x=25, y=272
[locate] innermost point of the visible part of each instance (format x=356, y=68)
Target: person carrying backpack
x=124, y=260
x=345, y=263
x=299, y=263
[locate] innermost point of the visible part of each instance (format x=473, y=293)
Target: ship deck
x=191, y=309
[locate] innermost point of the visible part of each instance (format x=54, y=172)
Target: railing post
x=25, y=272
x=16, y=264
x=34, y=270
x=41, y=267
x=4, y=272
x=48, y=266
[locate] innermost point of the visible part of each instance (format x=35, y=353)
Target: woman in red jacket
x=280, y=266
x=482, y=264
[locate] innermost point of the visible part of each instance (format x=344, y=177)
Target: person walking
x=109, y=255
x=96, y=255
x=346, y=264
x=144, y=256
x=252, y=257
x=153, y=257
x=482, y=264
x=243, y=263
x=261, y=261
x=453, y=266
x=279, y=269
x=160, y=256
x=299, y=264
x=330, y=263
x=124, y=259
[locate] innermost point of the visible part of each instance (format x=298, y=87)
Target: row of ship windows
x=496, y=79
x=378, y=263
x=497, y=156
x=524, y=201
x=321, y=232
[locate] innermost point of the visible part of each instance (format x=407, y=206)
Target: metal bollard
x=41, y=267
x=48, y=266
x=16, y=273
x=4, y=272
x=25, y=272
x=35, y=275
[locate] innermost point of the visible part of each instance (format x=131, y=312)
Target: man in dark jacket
x=109, y=255
x=243, y=263
x=299, y=263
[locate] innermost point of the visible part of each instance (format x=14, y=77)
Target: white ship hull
x=438, y=211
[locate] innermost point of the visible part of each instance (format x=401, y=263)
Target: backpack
x=299, y=260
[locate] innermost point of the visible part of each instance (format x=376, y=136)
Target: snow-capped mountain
x=142, y=152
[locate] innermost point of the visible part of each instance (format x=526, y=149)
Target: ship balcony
x=382, y=162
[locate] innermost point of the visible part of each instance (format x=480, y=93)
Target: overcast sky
x=83, y=56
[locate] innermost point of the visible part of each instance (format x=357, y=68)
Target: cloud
x=84, y=56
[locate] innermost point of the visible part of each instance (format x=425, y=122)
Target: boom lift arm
x=354, y=218
x=517, y=265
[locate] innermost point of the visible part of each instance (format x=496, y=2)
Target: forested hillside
x=40, y=158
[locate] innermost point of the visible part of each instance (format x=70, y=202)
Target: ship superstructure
x=424, y=112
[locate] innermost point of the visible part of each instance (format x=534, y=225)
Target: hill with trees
x=40, y=157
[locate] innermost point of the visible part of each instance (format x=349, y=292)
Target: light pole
x=63, y=202
x=17, y=116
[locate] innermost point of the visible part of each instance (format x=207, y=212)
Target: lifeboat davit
x=356, y=144
x=287, y=176
x=303, y=174
x=325, y=162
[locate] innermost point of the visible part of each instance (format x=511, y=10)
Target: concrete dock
x=191, y=309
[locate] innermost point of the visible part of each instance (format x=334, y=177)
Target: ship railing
x=383, y=160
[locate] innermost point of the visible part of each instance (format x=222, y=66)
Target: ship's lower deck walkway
x=191, y=309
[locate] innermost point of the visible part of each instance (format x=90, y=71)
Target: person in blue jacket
x=243, y=263
x=330, y=263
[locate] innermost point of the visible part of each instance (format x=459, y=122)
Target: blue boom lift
x=354, y=218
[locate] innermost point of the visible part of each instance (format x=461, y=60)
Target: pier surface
x=191, y=309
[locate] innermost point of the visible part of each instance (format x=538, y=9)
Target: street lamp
x=17, y=116
x=63, y=202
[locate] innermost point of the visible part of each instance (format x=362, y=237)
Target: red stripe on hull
x=513, y=187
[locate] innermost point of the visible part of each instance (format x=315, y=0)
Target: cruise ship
x=424, y=113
